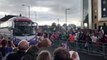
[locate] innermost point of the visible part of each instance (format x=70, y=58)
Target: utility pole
x=66, y=17
x=58, y=20
x=28, y=9
x=66, y=12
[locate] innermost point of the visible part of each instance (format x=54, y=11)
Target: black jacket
x=15, y=56
x=31, y=54
x=0, y=56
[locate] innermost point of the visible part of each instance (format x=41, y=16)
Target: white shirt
x=94, y=39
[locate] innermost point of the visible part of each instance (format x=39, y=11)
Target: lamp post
x=66, y=12
x=58, y=24
x=58, y=20
x=28, y=9
x=36, y=17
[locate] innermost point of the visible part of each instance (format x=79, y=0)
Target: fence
x=90, y=48
x=98, y=49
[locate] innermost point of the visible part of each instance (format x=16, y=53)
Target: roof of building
x=6, y=17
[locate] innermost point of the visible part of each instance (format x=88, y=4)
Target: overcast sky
x=44, y=11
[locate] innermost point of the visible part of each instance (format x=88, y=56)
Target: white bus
x=18, y=28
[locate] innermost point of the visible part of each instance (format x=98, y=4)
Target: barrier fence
x=98, y=49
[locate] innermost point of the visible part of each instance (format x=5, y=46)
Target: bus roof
x=23, y=19
x=20, y=19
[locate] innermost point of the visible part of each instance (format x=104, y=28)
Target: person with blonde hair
x=23, y=45
x=44, y=55
x=44, y=43
x=74, y=55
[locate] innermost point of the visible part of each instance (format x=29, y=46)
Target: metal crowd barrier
x=90, y=48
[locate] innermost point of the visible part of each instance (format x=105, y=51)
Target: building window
x=95, y=25
x=104, y=2
x=95, y=17
x=85, y=25
x=104, y=9
x=104, y=23
x=104, y=15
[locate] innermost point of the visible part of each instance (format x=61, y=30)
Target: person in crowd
x=87, y=40
x=52, y=37
x=3, y=48
x=76, y=36
x=23, y=45
x=33, y=51
x=39, y=39
x=104, y=28
x=71, y=38
x=100, y=34
x=1, y=37
x=57, y=35
x=0, y=56
x=94, y=38
x=46, y=35
x=44, y=55
x=0, y=42
x=63, y=36
x=44, y=43
x=61, y=54
x=74, y=55
x=31, y=54
x=105, y=39
x=10, y=46
x=40, y=35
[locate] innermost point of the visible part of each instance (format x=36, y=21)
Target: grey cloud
x=58, y=8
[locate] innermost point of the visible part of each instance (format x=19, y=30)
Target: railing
x=98, y=49
x=90, y=48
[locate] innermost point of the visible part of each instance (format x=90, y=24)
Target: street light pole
x=28, y=9
x=66, y=12
x=66, y=17
x=36, y=17
x=58, y=20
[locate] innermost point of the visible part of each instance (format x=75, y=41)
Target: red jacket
x=71, y=38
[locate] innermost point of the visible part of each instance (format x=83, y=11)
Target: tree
x=53, y=27
x=64, y=26
x=58, y=28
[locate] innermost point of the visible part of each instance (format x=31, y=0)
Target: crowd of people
x=39, y=51
x=25, y=51
x=85, y=35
